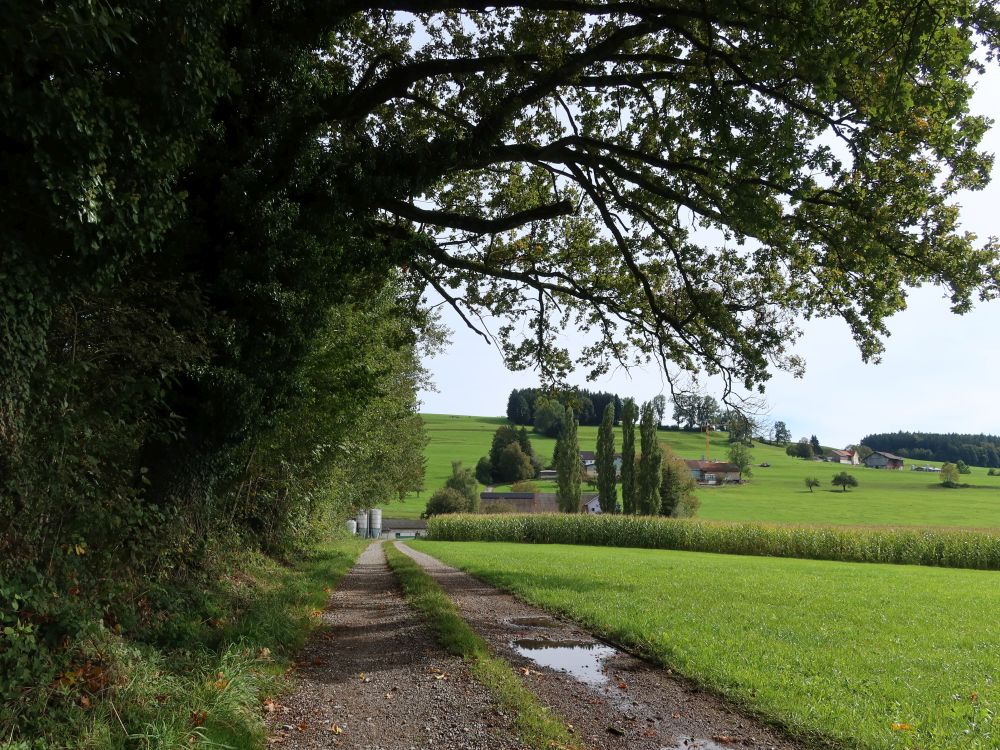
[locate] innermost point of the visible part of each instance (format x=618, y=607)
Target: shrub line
x=930, y=547
x=536, y=725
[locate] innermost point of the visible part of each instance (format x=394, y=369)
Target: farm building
x=844, y=457
x=883, y=460
x=593, y=505
x=714, y=472
x=403, y=528
x=588, y=460
x=536, y=502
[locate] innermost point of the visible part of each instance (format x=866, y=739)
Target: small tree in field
x=812, y=482
x=844, y=480
x=962, y=467
x=740, y=456
x=446, y=500
x=677, y=487
x=484, y=471
x=801, y=449
x=949, y=475
x=781, y=433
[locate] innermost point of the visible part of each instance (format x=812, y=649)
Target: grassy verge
x=200, y=675
x=866, y=657
x=535, y=724
x=937, y=547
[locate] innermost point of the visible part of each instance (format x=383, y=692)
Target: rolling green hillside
x=774, y=494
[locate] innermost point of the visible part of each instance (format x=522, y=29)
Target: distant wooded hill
x=588, y=405
x=975, y=450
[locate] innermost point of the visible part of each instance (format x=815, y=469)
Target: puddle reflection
x=579, y=659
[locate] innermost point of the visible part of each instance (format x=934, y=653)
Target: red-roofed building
x=844, y=457
x=883, y=460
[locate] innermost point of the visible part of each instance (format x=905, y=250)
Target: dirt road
x=374, y=679
x=612, y=699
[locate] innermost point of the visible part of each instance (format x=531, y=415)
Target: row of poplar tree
x=653, y=482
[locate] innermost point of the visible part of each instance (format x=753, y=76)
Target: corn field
x=941, y=548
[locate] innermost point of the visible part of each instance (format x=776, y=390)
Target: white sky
x=936, y=374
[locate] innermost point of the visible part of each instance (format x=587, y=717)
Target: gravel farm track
x=374, y=678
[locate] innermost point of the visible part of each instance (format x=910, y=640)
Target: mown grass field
x=877, y=657
x=776, y=494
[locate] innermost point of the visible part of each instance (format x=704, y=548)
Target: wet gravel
x=373, y=678
x=632, y=704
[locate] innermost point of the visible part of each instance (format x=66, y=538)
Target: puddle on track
x=582, y=660
x=693, y=743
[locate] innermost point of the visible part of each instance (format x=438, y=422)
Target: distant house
x=844, y=457
x=403, y=528
x=883, y=460
x=714, y=472
x=591, y=505
x=588, y=460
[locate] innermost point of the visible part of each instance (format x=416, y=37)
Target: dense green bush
x=950, y=549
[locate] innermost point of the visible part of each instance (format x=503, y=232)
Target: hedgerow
x=941, y=548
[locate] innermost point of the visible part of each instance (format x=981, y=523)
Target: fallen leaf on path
x=622, y=686
x=336, y=729
x=724, y=739
x=270, y=705
x=302, y=726
x=526, y=671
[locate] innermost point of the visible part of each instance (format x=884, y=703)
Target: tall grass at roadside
x=198, y=677
x=536, y=726
x=934, y=547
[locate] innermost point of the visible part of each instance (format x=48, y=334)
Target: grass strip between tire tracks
x=536, y=725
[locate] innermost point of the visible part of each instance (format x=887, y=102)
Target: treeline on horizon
x=588, y=406
x=975, y=450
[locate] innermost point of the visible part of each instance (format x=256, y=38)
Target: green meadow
x=775, y=494
x=853, y=655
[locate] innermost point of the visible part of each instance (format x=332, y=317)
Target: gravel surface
x=375, y=678
x=617, y=700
